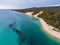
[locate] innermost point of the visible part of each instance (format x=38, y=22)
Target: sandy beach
x=49, y=29
x=46, y=27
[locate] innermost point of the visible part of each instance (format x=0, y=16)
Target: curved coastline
x=48, y=29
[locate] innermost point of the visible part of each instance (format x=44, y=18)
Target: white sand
x=48, y=29
x=29, y=13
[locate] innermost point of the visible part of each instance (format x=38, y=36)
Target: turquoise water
x=30, y=28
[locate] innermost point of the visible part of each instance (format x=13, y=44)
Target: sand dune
x=29, y=13
x=47, y=28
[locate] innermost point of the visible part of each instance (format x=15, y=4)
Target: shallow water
x=30, y=28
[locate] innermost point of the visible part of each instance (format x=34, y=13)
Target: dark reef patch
x=20, y=35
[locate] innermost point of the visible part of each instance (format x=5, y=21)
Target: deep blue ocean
x=29, y=27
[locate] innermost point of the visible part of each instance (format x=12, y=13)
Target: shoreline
x=48, y=29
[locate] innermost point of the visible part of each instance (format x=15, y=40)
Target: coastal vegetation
x=50, y=14
x=52, y=17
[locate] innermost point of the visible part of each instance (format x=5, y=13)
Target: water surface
x=30, y=28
